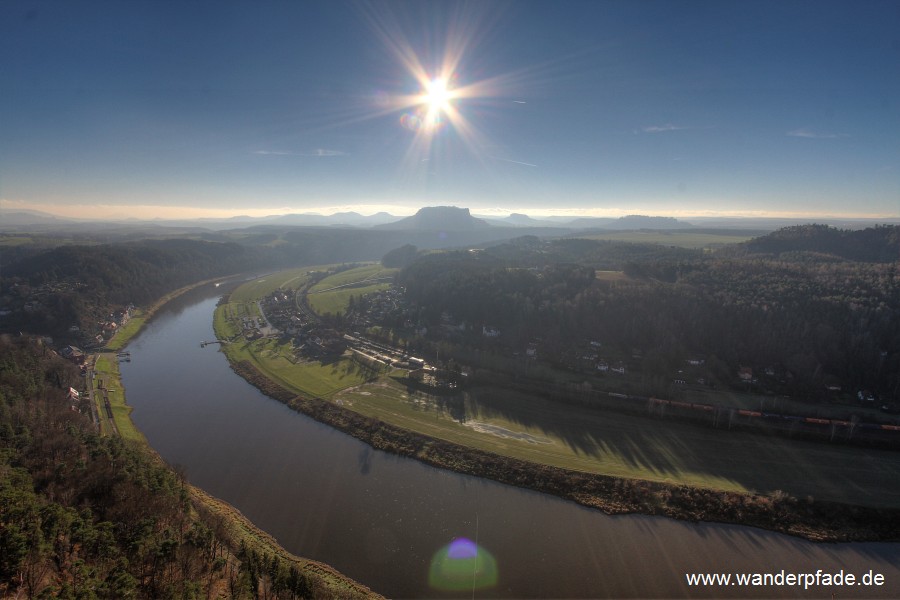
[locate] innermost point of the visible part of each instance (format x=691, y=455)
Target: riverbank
x=239, y=531
x=106, y=366
x=234, y=529
x=807, y=518
x=139, y=319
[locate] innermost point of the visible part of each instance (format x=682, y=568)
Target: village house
x=73, y=353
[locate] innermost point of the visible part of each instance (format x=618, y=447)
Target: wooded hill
x=876, y=244
x=79, y=285
x=815, y=323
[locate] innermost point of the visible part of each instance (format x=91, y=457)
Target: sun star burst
x=437, y=95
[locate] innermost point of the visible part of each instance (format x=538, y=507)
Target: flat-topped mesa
x=439, y=218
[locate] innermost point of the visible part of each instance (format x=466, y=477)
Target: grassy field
x=13, y=239
x=332, y=294
x=265, y=285
x=128, y=331
x=680, y=239
x=274, y=357
x=224, y=323
x=611, y=276
x=107, y=368
x=573, y=437
x=372, y=271
x=323, y=291
x=305, y=377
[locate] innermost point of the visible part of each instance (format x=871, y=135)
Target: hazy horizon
x=726, y=109
x=149, y=213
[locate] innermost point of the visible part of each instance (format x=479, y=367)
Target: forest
x=811, y=311
x=79, y=285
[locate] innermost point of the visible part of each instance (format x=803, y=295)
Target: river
x=382, y=519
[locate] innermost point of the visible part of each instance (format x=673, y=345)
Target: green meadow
x=13, y=239
x=314, y=378
x=265, y=285
x=681, y=239
x=332, y=294
x=107, y=367
x=275, y=358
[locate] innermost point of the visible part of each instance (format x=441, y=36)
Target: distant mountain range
x=432, y=218
x=520, y=220
x=11, y=218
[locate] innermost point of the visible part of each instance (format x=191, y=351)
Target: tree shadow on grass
x=664, y=449
x=329, y=360
x=444, y=401
x=668, y=450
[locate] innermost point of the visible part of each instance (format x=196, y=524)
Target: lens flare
x=462, y=565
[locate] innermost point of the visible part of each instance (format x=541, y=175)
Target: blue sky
x=694, y=108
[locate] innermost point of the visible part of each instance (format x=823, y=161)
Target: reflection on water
x=383, y=519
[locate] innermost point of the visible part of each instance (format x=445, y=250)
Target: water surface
x=380, y=518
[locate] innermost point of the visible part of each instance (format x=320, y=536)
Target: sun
x=440, y=97
x=436, y=104
x=437, y=96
